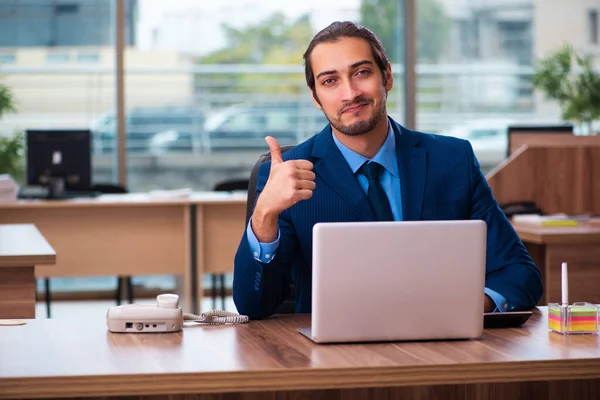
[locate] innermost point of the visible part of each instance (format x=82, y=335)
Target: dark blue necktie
x=375, y=194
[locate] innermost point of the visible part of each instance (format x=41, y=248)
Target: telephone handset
x=165, y=316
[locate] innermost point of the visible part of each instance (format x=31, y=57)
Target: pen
x=564, y=284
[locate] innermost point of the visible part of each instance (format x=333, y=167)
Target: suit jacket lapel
x=335, y=171
x=412, y=168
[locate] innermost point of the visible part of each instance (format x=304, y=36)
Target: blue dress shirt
x=390, y=181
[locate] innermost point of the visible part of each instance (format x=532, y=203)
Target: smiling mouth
x=355, y=108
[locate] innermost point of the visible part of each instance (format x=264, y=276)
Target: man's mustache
x=357, y=102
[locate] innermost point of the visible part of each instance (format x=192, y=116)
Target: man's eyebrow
x=352, y=66
x=363, y=62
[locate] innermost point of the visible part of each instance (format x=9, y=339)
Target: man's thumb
x=275, y=150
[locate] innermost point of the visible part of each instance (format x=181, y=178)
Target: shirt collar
x=386, y=156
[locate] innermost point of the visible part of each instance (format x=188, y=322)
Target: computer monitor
x=519, y=135
x=59, y=160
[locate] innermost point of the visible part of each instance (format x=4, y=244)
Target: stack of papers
x=8, y=189
x=546, y=220
x=170, y=194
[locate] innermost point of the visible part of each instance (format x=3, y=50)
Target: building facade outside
x=70, y=23
x=558, y=22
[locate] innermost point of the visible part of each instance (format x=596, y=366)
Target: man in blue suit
x=364, y=166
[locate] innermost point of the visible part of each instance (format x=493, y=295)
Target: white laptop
x=395, y=281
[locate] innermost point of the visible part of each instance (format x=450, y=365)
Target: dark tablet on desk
x=511, y=319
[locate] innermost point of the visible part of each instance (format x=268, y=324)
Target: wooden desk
x=265, y=359
x=219, y=225
x=135, y=234
x=22, y=247
x=578, y=246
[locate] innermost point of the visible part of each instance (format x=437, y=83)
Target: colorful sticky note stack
x=584, y=319
x=554, y=319
x=579, y=319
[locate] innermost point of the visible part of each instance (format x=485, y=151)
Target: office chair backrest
x=231, y=185
x=253, y=180
x=109, y=188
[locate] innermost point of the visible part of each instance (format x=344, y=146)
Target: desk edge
x=298, y=379
x=27, y=260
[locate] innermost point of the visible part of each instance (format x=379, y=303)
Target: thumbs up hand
x=289, y=182
x=275, y=150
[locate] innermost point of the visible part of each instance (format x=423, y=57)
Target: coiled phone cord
x=216, y=317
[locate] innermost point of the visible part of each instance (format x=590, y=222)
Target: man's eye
x=363, y=72
x=328, y=81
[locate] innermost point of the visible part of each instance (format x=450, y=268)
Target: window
x=237, y=68
x=88, y=58
x=593, y=26
x=66, y=8
x=476, y=60
x=45, y=39
x=281, y=120
x=58, y=58
x=483, y=133
x=245, y=121
x=7, y=59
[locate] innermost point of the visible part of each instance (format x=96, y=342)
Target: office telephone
x=165, y=316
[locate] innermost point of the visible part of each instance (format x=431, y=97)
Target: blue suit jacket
x=440, y=180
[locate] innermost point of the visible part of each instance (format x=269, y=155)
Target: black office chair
x=109, y=188
x=289, y=305
x=232, y=185
x=225, y=186
x=104, y=188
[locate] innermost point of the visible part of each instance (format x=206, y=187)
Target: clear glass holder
x=574, y=319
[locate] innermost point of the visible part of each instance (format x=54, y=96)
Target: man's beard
x=360, y=127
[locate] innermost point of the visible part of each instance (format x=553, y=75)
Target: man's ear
x=315, y=100
x=389, y=84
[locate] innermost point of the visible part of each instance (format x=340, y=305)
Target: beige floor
x=97, y=309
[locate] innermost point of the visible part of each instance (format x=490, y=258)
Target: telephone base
x=133, y=318
x=144, y=326
x=165, y=316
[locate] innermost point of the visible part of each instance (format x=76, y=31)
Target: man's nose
x=349, y=91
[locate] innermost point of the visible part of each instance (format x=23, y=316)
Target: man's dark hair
x=337, y=31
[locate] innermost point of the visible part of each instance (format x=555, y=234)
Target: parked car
x=181, y=125
x=489, y=138
x=241, y=127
